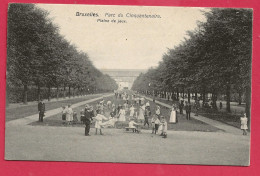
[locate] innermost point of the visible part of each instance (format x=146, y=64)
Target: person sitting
x=132, y=125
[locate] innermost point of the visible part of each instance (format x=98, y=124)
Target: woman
x=173, y=116
x=121, y=115
x=141, y=113
x=69, y=114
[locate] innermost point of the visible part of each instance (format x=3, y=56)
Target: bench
x=134, y=129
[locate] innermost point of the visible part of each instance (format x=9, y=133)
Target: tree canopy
x=37, y=55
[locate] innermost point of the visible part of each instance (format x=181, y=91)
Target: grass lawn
x=182, y=125
x=24, y=111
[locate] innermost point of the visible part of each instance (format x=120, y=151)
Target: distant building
x=123, y=77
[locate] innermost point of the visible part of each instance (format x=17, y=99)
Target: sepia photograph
x=128, y=84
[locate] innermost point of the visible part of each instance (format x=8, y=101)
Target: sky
x=139, y=43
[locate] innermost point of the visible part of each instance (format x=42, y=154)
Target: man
x=181, y=107
x=89, y=114
x=146, y=116
x=188, y=110
x=41, y=109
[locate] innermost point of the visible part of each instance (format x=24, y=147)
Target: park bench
x=133, y=129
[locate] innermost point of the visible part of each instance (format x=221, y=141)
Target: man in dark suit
x=41, y=109
x=89, y=114
x=188, y=110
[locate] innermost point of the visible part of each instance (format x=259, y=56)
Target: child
x=164, y=127
x=98, y=123
x=244, y=124
x=153, y=124
x=158, y=112
x=156, y=124
x=82, y=116
x=131, y=125
x=75, y=118
x=63, y=117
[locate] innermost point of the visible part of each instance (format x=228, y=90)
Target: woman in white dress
x=121, y=115
x=69, y=114
x=244, y=124
x=141, y=113
x=173, y=116
x=132, y=111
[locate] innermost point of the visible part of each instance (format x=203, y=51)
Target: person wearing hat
x=89, y=114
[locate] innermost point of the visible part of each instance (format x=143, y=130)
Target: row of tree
x=215, y=58
x=37, y=55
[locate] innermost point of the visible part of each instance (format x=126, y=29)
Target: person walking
x=181, y=106
x=188, y=110
x=88, y=118
x=173, y=116
x=41, y=110
x=146, y=116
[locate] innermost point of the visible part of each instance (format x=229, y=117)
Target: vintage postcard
x=128, y=84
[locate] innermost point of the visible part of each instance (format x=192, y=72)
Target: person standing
x=41, y=110
x=181, y=107
x=244, y=124
x=173, y=116
x=98, y=125
x=122, y=115
x=220, y=105
x=188, y=110
x=69, y=114
x=146, y=116
x=88, y=118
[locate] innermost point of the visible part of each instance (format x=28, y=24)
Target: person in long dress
x=244, y=124
x=141, y=113
x=173, y=116
x=132, y=111
x=121, y=115
x=69, y=114
x=98, y=124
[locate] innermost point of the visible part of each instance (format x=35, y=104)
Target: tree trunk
x=69, y=91
x=248, y=105
x=49, y=93
x=25, y=91
x=183, y=92
x=228, y=98
x=203, y=97
x=239, y=97
x=189, y=95
x=57, y=93
x=39, y=92
x=177, y=94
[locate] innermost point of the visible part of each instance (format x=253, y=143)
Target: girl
x=157, y=111
x=164, y=127
x=244, y=124
x=99, y=117
x=173, y=118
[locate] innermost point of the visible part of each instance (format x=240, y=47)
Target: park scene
x=168, y=87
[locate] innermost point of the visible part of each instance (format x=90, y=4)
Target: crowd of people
x=134, y=110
